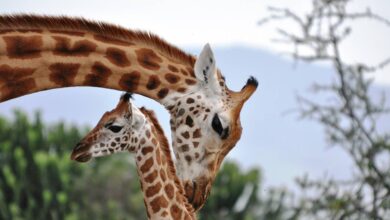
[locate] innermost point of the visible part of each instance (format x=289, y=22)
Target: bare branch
x=350, y=117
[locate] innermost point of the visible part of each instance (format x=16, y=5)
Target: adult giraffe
x=39, y=53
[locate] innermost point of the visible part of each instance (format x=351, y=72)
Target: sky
x=280, y=144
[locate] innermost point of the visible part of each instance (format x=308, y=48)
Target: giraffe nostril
x=81, y=153
x=78, y=146
x=83, y=157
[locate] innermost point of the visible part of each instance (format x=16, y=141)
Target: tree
x=35, y=180
x=234, y=194
x=350, y=117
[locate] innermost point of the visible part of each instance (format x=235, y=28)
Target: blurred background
x=315, y=143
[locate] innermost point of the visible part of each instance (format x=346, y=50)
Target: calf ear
x=138, y=121
x=128, y=114
x=137, y=118
x=205, y=69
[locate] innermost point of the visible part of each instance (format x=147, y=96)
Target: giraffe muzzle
x=81, y=153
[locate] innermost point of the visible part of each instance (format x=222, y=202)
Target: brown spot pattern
x=189, y=121
x=190, y=100
x=63, y=74
x=99, y=75
x=171, y=78
x=153, y=190
x=148, y=59
x=197, y=133
x=18, y=88
x=169, y=190
x=184, y=148
x=163, y=175
x=147, y=133
x=188, y=159
x=175, y=212
x=162, y=93
x=173, y=68
x=151, y=177
x=8, y=74
x=63, y=47
x=129, y=82
x=147, y=165
x=186, y=135
x=23, y=47
x=190, y=82
x=117, y=57
x=182, y=90
x=158, y=156
x=147, y=150
x=158, y=203
x=153, y=82
x=184, y=72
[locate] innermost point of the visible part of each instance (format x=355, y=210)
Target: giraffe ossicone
x=41, y=52
x=127, y=128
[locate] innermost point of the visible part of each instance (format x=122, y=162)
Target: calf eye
x=113, y=128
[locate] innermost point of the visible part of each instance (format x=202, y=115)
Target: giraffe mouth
x=81, y=153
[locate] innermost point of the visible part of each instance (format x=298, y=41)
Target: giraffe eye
x=217, y=126
x=115, y=128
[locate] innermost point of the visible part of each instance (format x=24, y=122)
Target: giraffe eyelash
x=115, y=128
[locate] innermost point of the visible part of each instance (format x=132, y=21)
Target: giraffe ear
x=137, y=118
x=128, y=114
x=205, y=68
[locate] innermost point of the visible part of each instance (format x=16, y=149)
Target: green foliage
x=234, y=194
x=112, y=187
x=34, y=178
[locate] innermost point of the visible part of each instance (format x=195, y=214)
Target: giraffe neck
x=41, y=53
x=163, y=192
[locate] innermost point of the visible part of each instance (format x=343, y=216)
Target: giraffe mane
x=112, y=31
x=166, y=151
x=126, y=96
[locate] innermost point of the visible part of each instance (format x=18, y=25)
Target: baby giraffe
x=138, y=131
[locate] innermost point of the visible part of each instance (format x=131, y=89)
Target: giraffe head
x=206, y=125
x=118, y=130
